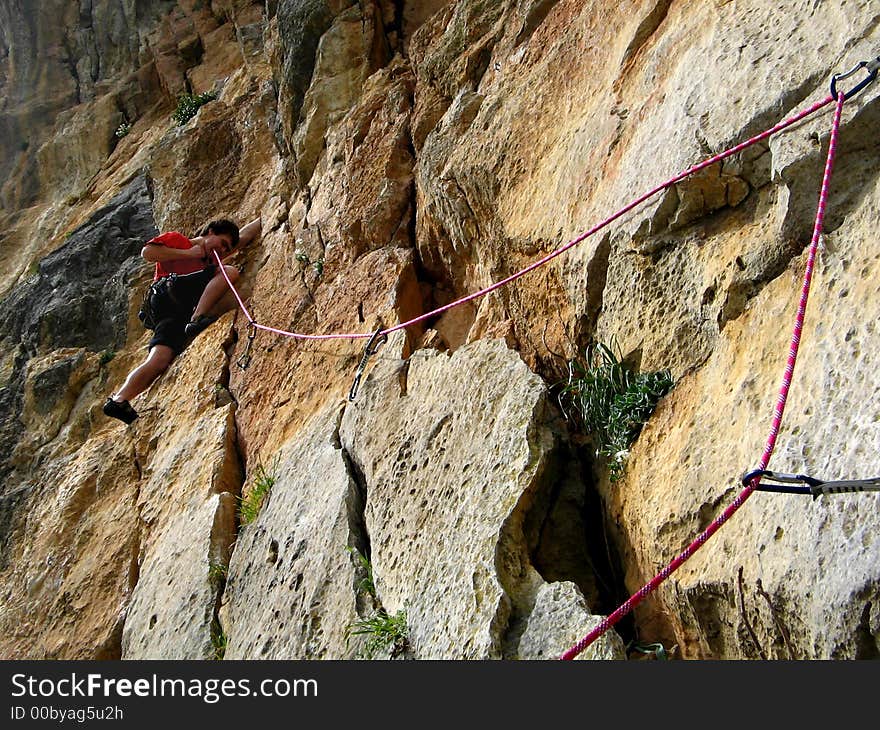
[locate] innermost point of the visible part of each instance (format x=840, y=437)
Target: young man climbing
x=198, y=286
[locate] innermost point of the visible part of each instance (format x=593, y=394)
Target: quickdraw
x=871, y=67
x=780, y=481
x=370, y=349
x=245, y=360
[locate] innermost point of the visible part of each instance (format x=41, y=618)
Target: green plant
x=384, y=632
x=366, y=584
x=122, y=130
x=612, y=402
x=303, y=258
x=189, y=104
x=264, y=479
x=106, y=356
x=217, y=572
x=219, y=640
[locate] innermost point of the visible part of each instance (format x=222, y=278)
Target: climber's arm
x=249, y=232
x=156, y=253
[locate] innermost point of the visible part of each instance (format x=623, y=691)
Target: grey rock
x=301, y=23
x=291, y=589
x=559, y=620
x=452, y=464
x=79, y=295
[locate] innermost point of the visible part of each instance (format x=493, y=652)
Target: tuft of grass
x=189, y=104
x=106, y=357
x=383, y=631
x=366, y=584
x=612, y=402
x=303, y=258
x=264, y=479
x=219, y=640
x=217, y=573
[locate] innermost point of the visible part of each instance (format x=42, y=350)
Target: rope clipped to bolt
x=252, y=323
x=753, y=479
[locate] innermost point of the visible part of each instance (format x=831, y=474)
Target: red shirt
x=173, y=239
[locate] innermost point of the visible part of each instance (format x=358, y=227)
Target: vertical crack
x=227, y=517
x=866, y=641
x=356, y=503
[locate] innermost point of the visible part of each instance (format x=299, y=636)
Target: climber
x=196, y=300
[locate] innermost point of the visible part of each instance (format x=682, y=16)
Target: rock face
x=401, y=155
x=453, y=510
x=75, y=304
x=559, y=619
x=292, y=584
x=341, y=483
x=709, y=611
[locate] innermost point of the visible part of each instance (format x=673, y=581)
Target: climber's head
x=224, y=233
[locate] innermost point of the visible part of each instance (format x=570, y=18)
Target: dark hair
x=222, y=227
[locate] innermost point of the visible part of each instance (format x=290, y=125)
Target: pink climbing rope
x=716, y=524
x=253, y=323
x=553, y=254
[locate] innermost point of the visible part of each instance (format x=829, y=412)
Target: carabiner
x=779, y=482
x=245, y=360
x=871, y=68
x=371, y=348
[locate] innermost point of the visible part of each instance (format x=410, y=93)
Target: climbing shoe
x=198, y=324
x=120, y=409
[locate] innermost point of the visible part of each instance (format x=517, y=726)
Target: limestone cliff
x=401, y=155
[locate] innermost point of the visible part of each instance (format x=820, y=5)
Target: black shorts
x=173, y=317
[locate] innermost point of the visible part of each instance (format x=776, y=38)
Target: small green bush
x=303, y=258
x=189, y=104
x=384, y=632
x=122, y=130
x=612, y=402
x=264, y=479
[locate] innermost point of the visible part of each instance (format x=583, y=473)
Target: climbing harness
x=752, y=479
x=814, y=486
x=159, y=298
x=370, y=349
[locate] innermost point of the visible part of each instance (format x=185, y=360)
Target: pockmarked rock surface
x=810, y=577
x=454, y=452
x=292, y=583
x=171, y=614
x=558, y=621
